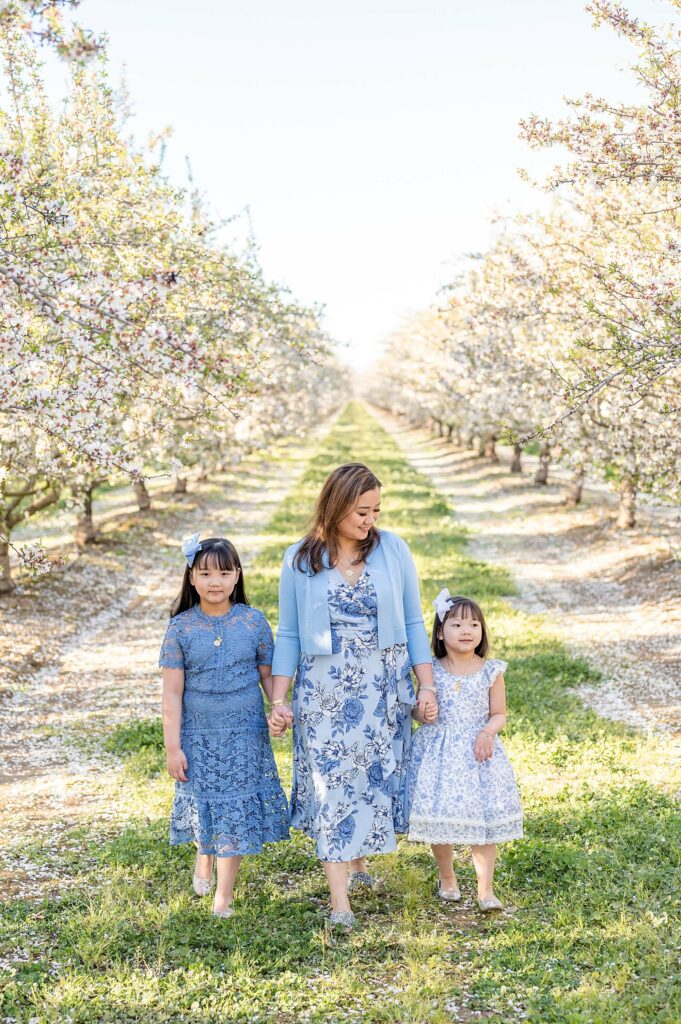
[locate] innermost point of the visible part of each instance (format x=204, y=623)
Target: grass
x=594, y=885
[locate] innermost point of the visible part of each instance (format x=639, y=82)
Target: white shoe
x=227, y=912
x=203, y=886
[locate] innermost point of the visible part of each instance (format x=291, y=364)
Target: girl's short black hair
x=215, y=553
x=465, y=608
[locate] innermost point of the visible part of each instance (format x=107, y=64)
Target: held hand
x=176, y=763
x=280, y=718
x=484, y=747
x=428, y=709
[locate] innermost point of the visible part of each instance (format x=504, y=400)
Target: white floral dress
x=452, y=798
x=352, y=732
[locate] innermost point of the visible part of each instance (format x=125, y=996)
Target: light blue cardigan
x=304, y=624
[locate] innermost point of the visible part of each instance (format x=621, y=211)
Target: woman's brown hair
x=464, y=608
x=338, y=495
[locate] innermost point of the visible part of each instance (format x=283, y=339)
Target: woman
x=350, y=628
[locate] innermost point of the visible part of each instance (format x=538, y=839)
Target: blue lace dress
x=233, y=801
x=452, y=798
x=352, y=732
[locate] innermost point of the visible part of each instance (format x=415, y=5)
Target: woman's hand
x=176, y=763
x=280, y=718
x=428, y=709
x=484, y=746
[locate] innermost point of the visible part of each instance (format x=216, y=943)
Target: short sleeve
x=172, y=655
x=265, y=648
x=493, y=668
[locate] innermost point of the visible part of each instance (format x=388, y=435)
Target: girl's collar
x=214, y=618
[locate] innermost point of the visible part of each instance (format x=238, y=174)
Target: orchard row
x=569, y=328
x=134, y=341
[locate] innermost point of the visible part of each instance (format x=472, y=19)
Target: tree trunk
x=180, y=485
x=542, y=474
x=626, y=517
x=6, y=584
x=469, y=439
x=490, y=451
x=479, y=444
x=450, y=431
x=202, y=475
x=574, y=494
x=516, y=462
x=142, y=495
x=85, y=526
x=458, y=439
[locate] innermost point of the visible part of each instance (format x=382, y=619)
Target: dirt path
x=614, y=597
x=80, y=656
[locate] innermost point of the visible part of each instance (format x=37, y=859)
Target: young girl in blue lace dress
x=216, y=656
x=461, y=785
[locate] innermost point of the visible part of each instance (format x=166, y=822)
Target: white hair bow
x=442, y=603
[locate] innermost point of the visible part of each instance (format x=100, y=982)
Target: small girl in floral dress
x=461, y=787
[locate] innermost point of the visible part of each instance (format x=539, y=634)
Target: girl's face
x=461, y=633
x=213, y=584
x=359, y=520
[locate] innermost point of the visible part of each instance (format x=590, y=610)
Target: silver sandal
x=363, y=880
x=227, y=912
x=203, y=886
x=449, y=895
x=491, y=903
x=344, y=920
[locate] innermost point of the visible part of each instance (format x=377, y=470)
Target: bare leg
x=337, y=877
x=443, y=855
x=203, y=868
x=224, y=890
x=484, y=859
x=360, y=864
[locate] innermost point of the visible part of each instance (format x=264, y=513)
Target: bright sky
x=371, y=139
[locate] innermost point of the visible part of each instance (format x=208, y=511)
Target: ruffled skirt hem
x=230, y=828
x=452, y=832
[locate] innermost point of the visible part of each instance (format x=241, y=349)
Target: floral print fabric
x=352, y=732
x=233, y=801
x=452, y=798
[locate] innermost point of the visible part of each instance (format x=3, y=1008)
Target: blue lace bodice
x=219, y=653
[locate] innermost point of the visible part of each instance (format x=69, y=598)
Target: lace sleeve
x=172, y=655
x=493, y=668
x=265, y=648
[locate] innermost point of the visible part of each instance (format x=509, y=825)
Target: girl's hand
x=176, y=763
x=428, y=709
x=484, y=746
x=280, y=718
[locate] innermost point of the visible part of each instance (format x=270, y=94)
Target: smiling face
x=214, y=582
x=362, y=517
x=462, y=632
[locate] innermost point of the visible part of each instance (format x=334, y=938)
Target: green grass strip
x=594, y=886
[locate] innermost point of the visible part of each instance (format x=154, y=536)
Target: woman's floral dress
x=352, y=732
x=233, y=801
x=452, y=798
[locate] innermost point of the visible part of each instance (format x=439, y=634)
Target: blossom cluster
x=569, y=327
x=132, y=339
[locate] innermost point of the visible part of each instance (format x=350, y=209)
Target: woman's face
x=364, y=514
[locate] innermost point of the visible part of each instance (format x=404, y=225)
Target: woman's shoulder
x=393, y=540
x=291, y=551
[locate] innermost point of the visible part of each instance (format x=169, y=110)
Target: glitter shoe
x=449, y=895
x=227, y=912
x=491, y=903
x=363, y=880
x=341, y=920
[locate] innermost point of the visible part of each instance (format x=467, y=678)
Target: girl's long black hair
x=215, y=553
